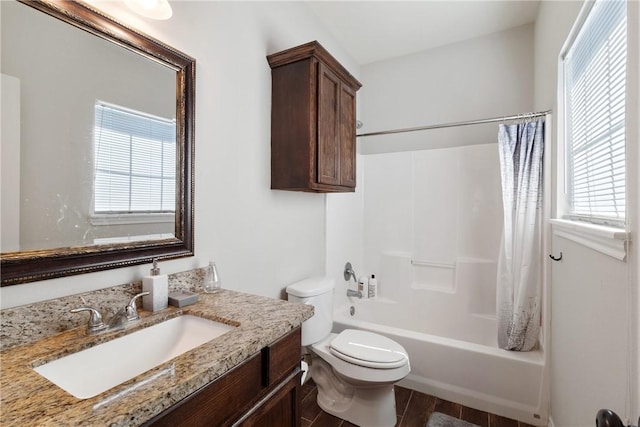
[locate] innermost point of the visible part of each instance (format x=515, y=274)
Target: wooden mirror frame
x=34, y=265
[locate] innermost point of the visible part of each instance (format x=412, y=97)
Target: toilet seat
x=355, y=370
x=368, y=349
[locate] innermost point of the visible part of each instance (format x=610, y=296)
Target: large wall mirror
x=97, y=143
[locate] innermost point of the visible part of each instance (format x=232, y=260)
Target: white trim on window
x=131, y=218
x=593, y=99
x=610, y=241
x=129, y=239
x=607, y=238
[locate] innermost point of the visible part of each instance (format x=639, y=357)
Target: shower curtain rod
x=455, y=124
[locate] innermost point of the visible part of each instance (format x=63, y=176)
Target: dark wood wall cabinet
x=262, y=391
x=313, y=121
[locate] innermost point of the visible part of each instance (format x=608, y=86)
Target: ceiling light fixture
x=154, y=9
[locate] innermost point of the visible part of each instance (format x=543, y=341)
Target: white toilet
x=354, y=370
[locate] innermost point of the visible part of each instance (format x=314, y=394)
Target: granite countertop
x=29, y=399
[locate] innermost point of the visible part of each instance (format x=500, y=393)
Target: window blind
x=595, y=77
x=135, y=161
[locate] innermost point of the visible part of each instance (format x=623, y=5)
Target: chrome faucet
x=348, y=273
x=352, y=293
x=96, y=324
x=128, y=313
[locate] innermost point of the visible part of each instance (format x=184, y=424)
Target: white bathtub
x=456, y=359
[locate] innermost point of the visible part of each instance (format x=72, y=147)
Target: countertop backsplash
x=30, y=323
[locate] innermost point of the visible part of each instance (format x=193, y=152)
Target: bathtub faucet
x=349, y=273
x=352, y=293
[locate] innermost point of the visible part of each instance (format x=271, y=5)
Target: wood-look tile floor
x=413, y=410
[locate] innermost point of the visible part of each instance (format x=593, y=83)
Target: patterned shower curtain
x=519, y=270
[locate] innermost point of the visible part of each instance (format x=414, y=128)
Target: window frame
x=604, y=238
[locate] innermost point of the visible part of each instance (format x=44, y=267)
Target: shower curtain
x=519, y=271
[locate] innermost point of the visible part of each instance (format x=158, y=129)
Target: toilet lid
x=368, y=349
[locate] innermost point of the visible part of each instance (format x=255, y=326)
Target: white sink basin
x=90, y=372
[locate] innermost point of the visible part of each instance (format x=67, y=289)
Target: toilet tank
x=318, y=292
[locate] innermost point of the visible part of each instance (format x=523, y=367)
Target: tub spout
x=352, y=293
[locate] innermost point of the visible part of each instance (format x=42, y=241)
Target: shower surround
x=432, y=229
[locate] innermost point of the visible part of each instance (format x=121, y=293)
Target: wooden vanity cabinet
x=262, y=391
x=313, y=121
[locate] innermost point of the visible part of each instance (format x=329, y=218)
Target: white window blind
x=135, y=163
x=595, y=76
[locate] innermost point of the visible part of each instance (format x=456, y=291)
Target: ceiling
x=373, y=31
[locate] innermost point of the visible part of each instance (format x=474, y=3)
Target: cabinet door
x=280, y=409
x=347, y=109
x=328, y=159
x=219, y=402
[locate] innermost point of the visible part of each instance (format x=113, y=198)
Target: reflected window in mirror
x=135, y=164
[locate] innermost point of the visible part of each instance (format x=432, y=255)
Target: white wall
x=345, y=225
x=260, y=239
x=432, y=228
x=437, y=207
x=484, y=77
x=488, y=76
x=594, y=358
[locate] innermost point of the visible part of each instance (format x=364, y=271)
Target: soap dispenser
x=158, y=287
